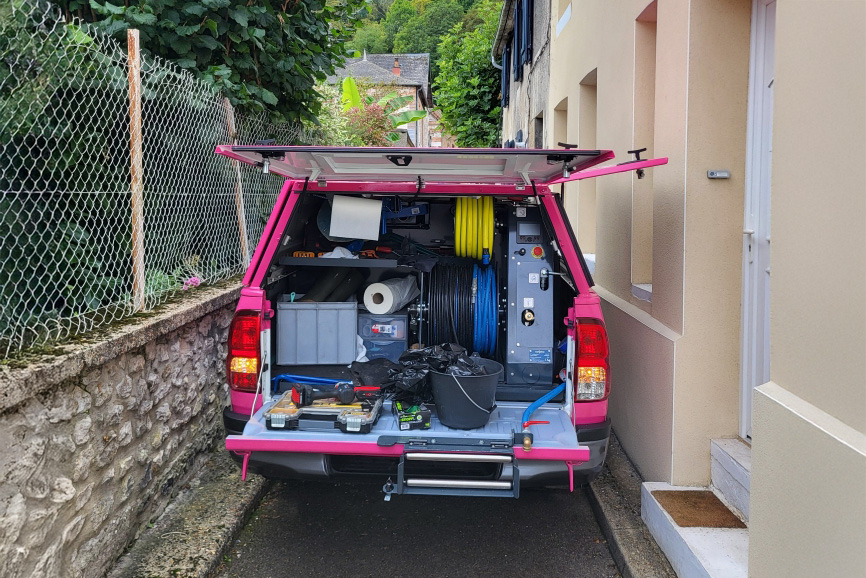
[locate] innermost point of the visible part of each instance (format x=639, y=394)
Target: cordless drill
x=303, y=394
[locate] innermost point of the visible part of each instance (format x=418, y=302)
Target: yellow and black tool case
x=357, y=417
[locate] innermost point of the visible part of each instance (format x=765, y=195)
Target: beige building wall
x=676, y=360
x=808, y=500
x=684, y=368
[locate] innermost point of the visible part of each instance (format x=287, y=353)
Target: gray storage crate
x=316, y=333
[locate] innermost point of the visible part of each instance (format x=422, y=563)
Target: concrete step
x=700, y=536
x=731, y=472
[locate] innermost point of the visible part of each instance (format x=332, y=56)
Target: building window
x=587, y=118
x=517, y=44
x=562, y=6
x=505, y=77
x=526, y=31
x=560, y=122
x=538, y=132
x=644, y=134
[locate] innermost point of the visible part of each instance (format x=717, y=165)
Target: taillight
x=592, y=374
x=244, y=358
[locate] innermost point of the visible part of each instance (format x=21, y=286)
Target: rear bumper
x=234, y=422
x=325, y=460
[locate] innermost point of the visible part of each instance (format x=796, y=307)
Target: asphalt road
x=321, y=529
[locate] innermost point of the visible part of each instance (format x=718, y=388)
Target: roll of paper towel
x=390, y=296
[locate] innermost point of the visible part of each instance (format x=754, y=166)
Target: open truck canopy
x=518, y=167
x=489, y=221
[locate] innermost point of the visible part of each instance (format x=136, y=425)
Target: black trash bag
x=373, y=372
x=398, y=382
x=410, y=385
x=466, y=367
x=407, y=381
x=446, y=358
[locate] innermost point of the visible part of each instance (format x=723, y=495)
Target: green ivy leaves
x=269, y=53
x=467, y=87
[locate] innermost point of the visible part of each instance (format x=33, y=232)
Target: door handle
x=751, y=234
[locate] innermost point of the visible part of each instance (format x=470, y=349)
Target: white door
x=756, y=224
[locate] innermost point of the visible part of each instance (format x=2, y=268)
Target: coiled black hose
x=453, y=306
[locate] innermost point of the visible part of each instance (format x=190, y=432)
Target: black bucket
x=466, y=402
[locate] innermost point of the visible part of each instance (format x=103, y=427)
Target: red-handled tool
x=526, y=424
x=368, y=392
x=303, y=394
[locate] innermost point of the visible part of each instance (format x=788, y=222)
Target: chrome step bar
x=445, y=483
x=456, y=486
x=458, y=457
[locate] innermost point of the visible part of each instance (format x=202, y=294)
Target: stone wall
x=95, y=439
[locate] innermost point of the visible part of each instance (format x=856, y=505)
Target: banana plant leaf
x=350, y=98
x=407, y=116
x=383, y=102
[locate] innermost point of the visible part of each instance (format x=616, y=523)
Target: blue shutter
x=526, y=31
x=505, y=76
x=517, y=45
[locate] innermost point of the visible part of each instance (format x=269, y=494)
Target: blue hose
x=486, y=297
x=541, y=401
x=305, y=379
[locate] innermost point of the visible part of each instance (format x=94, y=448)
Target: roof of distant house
x=414, y=70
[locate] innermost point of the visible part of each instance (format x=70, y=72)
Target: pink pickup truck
x=482, y=238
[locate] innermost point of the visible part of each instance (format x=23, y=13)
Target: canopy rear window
x=500, y=166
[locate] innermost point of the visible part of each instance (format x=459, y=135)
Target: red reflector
x=245, y=381
x=591, y=341
x=243, y=360
x=245, y=332
x=592, y=374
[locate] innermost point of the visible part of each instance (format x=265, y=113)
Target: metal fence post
x=136, y=169
x=239, y=189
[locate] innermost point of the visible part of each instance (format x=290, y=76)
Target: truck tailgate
x=555, y=441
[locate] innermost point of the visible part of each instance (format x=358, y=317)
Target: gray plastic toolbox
x=384, y=335
x=316, y=333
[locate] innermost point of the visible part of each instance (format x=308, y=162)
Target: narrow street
x=319, y=529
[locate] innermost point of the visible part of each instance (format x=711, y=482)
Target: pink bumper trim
x=244, y=467
x=242, y=402
x=586, y=412
x=241, y=444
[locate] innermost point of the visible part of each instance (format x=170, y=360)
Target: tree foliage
x=399, y=14
x=264, y=54
x=371, y=121
x=333, y=124
x=423, y=32
x=468, y=84
x=414, y=26
x=378, y=9
x=372, y=38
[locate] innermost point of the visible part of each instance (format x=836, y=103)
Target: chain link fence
x=78, y=247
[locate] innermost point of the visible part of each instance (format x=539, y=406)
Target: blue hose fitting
x=541, y=401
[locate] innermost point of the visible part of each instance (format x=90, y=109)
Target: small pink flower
x=191, y=282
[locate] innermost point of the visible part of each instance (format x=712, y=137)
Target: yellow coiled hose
x=473, y=228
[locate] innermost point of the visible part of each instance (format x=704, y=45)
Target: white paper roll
x=355, y=218
x=390, y=296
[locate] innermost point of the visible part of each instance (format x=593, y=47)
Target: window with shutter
x=517, y=45
x=526, y=31
x=505, y=77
